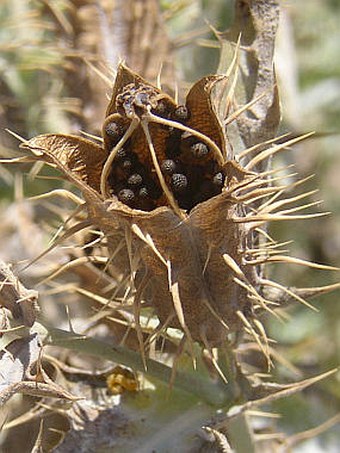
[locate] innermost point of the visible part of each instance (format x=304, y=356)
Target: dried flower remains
x=182, y=217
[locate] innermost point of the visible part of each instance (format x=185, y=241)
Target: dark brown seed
x=143, y=192
x=121, y=153
x=160, y=109
x=179, y=182
x=181, y=114
x=127, y=164
x=218, y=179
x=168, y=166
x=114, y=131
x=135, y=180
x=126, y=196
x=199, y=150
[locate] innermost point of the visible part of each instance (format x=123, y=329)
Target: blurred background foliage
x=44, y=88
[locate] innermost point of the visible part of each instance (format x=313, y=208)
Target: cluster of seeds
x=132, y=181
x=188, y=165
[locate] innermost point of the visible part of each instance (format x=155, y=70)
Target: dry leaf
x=21, y=302
x=17, y=358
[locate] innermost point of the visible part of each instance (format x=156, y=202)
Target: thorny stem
x=240, y=434
x=209, y=395
x=212, y=393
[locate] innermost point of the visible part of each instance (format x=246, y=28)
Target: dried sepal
x=78, y=157
x=37, y=389
x=200, y=99
x=17, y=361
x=20, y=301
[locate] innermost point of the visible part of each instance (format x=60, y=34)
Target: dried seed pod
x=145, y=202
x=142, y=99
x=185, y=202
x=203, y=116
x=200, y=268
x=154, y=190
x=206, y=190
x=173, y=149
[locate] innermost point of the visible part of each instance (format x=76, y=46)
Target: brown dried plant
x=180, y=214
x=183, y=218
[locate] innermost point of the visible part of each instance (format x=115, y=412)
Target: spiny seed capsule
x=114, y=131
x=168, y=166
x=199, y=150
x=135, y=180
x=179, y=182
x=218, y=179
x=181, y=113
x=126, y=196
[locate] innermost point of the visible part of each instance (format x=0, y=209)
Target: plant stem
x=204, y=389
